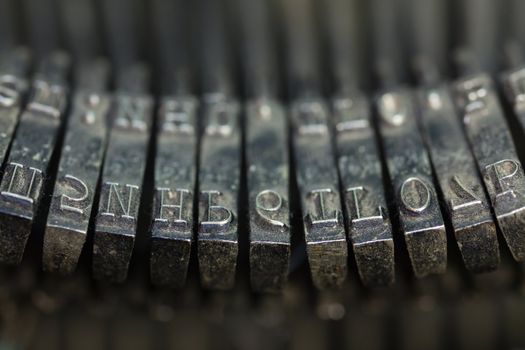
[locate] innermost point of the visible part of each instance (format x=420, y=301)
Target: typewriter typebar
x=172, y=229
x=369, y=226
x=462, y=189
x=411, y=174
x=78, y=171
x=499, y=165
x=26, y=167
x=267, y=156
x=435, y=154
x=124, y=165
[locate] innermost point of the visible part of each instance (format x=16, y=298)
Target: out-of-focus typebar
x=369, y=226
x=21, y=189
x=14, y=69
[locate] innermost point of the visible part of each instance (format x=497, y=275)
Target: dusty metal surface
x=78, y=170
x=465, y=200
x=175, y=172
x=493, y=147
x=267, y=158
x=122, y=178
x=368, y=224
x=313, y=152
x=219, y=177
x=14, y=85
x=26, y=170
x=411, y=176
x=220, y=158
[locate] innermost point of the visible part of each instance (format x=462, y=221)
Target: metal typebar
x=8, y=24
x=267, y=157
x=466, y=202
x=368, y=225
x=175, y=160
x=42, y=25
x=408, y=164
x=428, y=32
x=514, y=87
x=313, y=153
x=79, y=170
x=220, y=156
x=27, y=166
x=481, y=30
x=171, y=30
x=122, y=178
x=82, y=35
x=411, y=175
x=491, y=142
x=122, y=30
x=14, y=85
x=388, y=49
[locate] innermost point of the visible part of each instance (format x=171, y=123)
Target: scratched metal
x=267, y=164
x=466, y=202
x=172, y=230
x=124, y=165
x=369, y=227
x=313, y=154
x=267, y=158
x=319, y=189
x=496, y=157
x=78, y=171
x=26, y=169
x=219, y=174
x=14, y=68
x=411, y=175
x=220, y=155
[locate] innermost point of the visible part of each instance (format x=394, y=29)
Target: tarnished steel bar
x=411, y=175
x=220, y=157
x=26, y=170
x=267, y=158
x=313, y=152
x=491, y=142
x=79, y=170
x=369, y=227
x=465, y=200
x=14, y=85
x=176, y=150
x=122, y=178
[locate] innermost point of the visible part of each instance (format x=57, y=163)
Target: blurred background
x=165, y=32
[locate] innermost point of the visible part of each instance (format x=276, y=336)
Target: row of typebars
x=338, y=134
